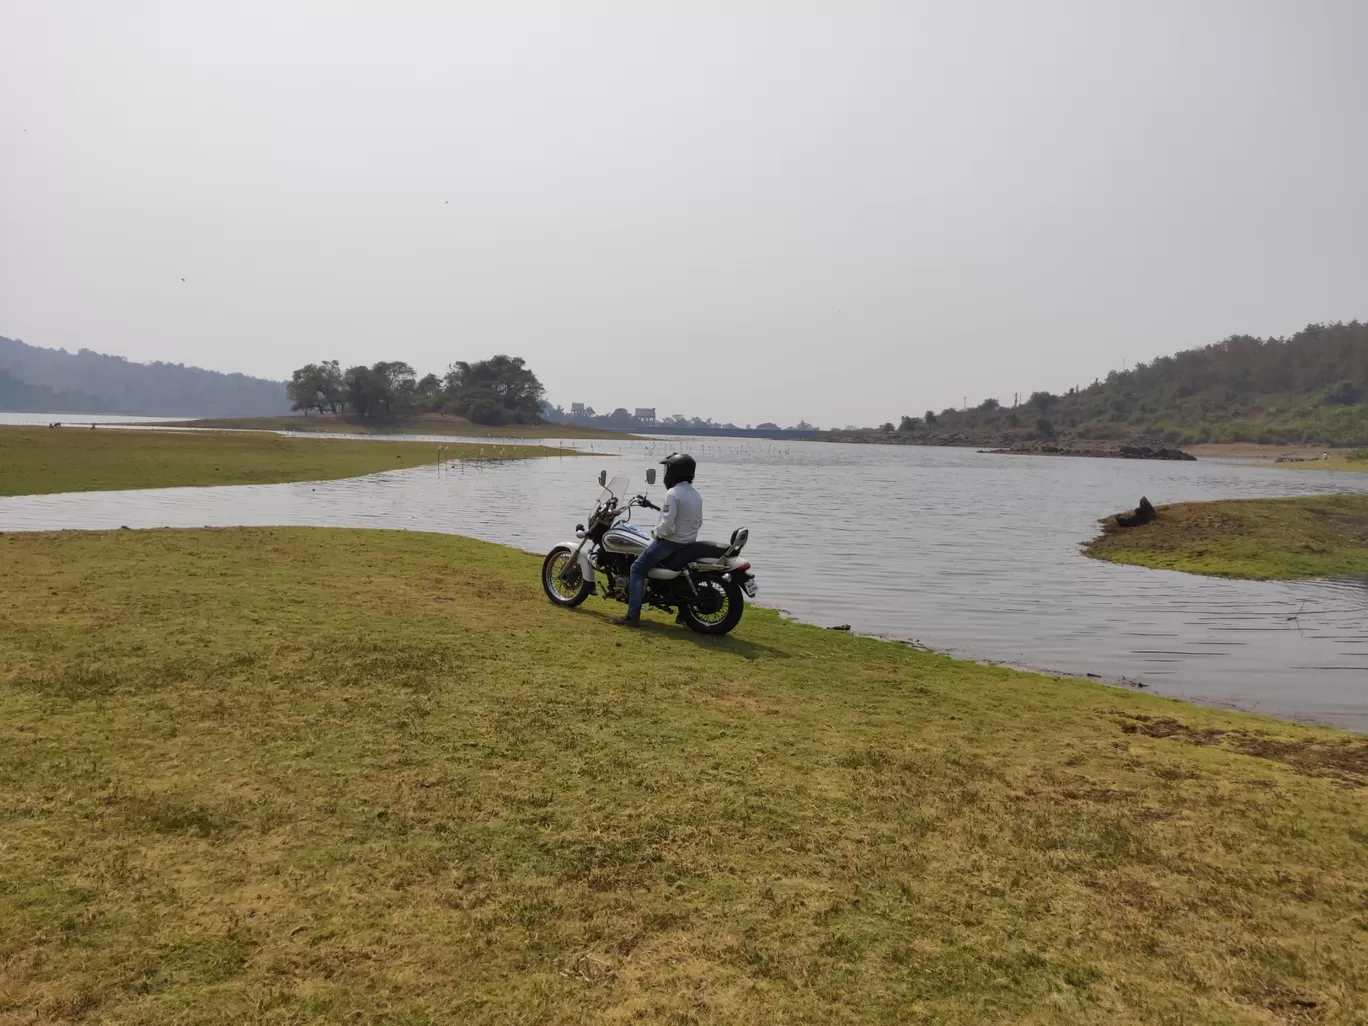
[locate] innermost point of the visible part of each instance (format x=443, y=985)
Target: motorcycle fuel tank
x=626, y=538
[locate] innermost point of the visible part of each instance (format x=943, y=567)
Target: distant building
x=577, y=409
x=645, y=413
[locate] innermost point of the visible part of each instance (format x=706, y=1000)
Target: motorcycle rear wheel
x=725, y=618
x=570, y=590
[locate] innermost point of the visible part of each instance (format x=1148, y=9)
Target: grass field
x=1355, y=459
x=1262, y=539
x=36, y=461
x=424, y=424
x=309, y=776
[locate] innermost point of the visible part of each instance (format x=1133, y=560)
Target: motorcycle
x=705, y=582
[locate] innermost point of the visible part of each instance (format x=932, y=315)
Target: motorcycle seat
x=692, y=553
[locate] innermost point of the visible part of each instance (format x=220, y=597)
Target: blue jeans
x=650, y=558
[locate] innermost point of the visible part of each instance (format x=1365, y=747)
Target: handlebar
x=612, y=510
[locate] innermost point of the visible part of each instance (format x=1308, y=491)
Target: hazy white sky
x=752, y=211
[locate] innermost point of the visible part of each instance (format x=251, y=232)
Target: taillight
x=739, y=569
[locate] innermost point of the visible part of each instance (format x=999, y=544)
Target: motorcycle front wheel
x=562, y=580
x=724, y=603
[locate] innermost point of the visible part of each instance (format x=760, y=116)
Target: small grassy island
x=35, y=461
x=320, y=776
x=1259, y=539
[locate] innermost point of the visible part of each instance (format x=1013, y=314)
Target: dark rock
x=1144, y=514
x=1151, y=452
x=1121, y=452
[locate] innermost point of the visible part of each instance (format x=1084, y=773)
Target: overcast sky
x=752, y=211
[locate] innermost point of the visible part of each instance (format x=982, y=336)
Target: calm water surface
x=76, y=419
x=973, y=554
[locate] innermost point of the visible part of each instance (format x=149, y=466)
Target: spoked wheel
x=562, y=579
x=719, y=607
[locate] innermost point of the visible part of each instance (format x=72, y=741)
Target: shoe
x=626, y=621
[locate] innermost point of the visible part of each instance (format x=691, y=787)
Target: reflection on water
x=974, y=554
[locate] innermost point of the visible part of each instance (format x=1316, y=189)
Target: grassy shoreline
x=37, y=461
x=1255, y=539
x=426, y=424
x=302, y=775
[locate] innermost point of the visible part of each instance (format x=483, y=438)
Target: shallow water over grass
x=974, y=554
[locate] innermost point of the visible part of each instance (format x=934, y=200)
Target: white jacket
x=681, y=515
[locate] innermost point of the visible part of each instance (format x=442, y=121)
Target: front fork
x=579, y=559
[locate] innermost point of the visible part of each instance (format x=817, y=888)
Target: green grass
x=310, y=776
x=423, y=424
x=41, y=460
x=1354, y=466
x=1355, y=460
x=1261, y=539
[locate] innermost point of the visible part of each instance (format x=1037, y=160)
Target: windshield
x=615, y=489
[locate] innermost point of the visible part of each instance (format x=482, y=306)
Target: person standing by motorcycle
x=681, y=518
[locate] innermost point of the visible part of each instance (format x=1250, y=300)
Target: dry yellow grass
x=309, y=776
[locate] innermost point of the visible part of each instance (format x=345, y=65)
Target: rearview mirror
x=650, y=476
x=603, y=478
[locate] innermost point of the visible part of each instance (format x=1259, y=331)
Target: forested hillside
x=1311, y=389
x=19, y=397
x=111, y=384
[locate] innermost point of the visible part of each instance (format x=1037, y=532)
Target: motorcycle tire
x=569, y=592
x=726, y=618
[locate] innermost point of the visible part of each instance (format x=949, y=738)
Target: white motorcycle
x=705, y=581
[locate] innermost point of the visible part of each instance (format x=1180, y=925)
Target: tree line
x=623, y=420
x=1311, y=388
x=500, y=390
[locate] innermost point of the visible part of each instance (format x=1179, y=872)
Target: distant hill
x=1309, y=389
x=19, y=397
x=53, y=380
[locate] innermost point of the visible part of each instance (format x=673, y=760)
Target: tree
x=396, y=387
x=362, y=390
x=930, y=418
x=887, y=427
x=499, y=390
x=989, y=405
x=909, y=424
x=803, y=425
x=1042, y=401
x=621, y=420
x=1044, y=428
x=316, y=386
x=427, y=394
x=1346, y=393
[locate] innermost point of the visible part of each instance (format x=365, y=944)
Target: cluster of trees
x=500, y=390
x=1311, y=388
x=87, y=382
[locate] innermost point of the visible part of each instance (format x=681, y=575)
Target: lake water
x=969, y=553
x=76, y=419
